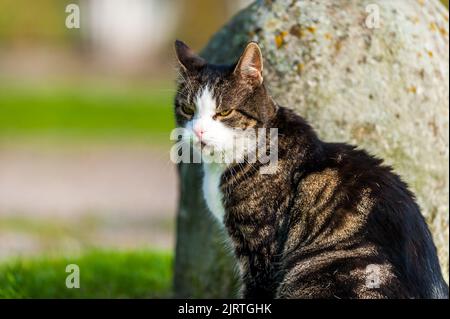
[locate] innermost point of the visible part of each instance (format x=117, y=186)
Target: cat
x=331, y=222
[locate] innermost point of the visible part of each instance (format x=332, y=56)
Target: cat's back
x=355, y=213
x=395, y=224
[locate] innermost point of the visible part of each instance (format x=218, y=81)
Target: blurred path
x=128, y=192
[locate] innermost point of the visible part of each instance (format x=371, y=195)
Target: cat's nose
x=199, y=132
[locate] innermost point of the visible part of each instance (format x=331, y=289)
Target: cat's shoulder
x=360, y=169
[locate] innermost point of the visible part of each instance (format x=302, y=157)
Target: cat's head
x=216, y=103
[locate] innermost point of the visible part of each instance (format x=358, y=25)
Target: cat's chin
x=206, y=153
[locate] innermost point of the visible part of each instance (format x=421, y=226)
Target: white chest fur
x=211, y=190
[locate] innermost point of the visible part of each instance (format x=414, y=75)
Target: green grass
x=103, y=274
x=86, y=113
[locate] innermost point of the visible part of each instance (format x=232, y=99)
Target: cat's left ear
x=187, y=57
x=250, y=64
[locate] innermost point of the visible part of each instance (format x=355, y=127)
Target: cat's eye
x=225, y=113
x=188, y=109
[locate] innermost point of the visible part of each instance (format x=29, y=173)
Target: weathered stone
x=385, y=89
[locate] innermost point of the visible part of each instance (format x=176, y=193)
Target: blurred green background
x=85, y=116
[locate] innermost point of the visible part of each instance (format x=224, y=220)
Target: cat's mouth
x=207, y=149
x=201, y=144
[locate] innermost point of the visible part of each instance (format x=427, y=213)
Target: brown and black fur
x=312, y=229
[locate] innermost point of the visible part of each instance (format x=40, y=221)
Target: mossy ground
x=103, y=274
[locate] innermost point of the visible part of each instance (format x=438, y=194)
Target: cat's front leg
x=257, y=272
x=257, y=283
x=255, y=291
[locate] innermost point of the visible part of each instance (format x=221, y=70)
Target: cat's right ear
x=250, y=64
x=187, y=58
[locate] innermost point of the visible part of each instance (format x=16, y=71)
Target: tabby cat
x=331, y=222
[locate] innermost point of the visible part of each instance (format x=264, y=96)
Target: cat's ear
x=250, y=64
x=187, y=57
